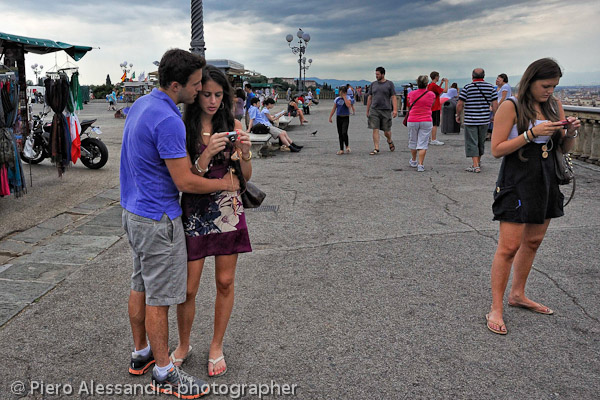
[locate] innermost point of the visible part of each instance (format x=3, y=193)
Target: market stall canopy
x=42, y=46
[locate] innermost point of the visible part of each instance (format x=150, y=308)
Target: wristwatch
x=249, y=156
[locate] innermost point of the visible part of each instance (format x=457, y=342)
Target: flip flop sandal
x=489, y=326
x=340, y=152
x=348, y=151
x=374, y=152
x=391, y=144
x=214, y=362
x=541, y=309
x=178, y=362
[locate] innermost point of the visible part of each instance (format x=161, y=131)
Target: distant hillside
x=337, y=82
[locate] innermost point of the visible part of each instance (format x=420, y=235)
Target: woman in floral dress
x=214, y=224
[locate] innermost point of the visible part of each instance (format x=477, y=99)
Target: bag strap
x=413, y=103
x=483, y=94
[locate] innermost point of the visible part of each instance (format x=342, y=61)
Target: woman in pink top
x=420, y=122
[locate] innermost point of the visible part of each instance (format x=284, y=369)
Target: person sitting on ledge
x=264, y=117
x=294, y=110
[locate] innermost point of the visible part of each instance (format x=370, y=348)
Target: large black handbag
x=252, y=197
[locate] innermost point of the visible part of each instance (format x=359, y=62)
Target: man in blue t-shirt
x=154, y=168
x=249, y=96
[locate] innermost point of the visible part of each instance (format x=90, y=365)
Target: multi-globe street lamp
x=37, y=70
x=126, y=70
x=304, y=67
x=303, y=39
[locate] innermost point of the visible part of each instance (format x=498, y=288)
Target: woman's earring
x=222, y=106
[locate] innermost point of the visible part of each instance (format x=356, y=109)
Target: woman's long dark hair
x=545, y=68
x=222, y=121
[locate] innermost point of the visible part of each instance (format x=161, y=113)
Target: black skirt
x=527, y=191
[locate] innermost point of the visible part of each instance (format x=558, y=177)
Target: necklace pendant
x=544, y=148
x=544, y=154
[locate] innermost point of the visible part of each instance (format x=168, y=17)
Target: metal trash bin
x=448, y=123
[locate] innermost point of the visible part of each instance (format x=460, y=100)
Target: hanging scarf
x=57, y=94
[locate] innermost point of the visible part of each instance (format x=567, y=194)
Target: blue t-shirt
x=258, y=117
x=153, y=132
x=341, y=107
x=248, y=98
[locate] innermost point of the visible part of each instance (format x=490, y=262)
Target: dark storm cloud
x=335, y=23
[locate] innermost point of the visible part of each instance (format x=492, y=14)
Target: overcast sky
x=349, y=38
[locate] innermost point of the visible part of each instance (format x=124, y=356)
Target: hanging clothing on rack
x=12, y=179
x=57, y=95
x=74, y=129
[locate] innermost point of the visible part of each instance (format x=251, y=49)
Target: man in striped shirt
x=476, y=99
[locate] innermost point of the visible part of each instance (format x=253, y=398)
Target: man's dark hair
x=434, y=74
x=478, y=73
x=269, y=101
x=381, y=70
x=248, y=86
x=254, y=100
x=177, y=65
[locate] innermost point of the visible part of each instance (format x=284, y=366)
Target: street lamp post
x=126, y=70
x=37, y=70
x=303, y=39
x=197, y=43
x=305, y=67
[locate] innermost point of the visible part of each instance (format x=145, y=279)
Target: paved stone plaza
x=367, y=280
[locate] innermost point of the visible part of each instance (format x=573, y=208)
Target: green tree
x=258, y=79
x=108, y=82
x=100, y=91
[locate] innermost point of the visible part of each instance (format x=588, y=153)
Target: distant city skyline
x=349, y=39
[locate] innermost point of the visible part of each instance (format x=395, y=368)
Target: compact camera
x=232, y=136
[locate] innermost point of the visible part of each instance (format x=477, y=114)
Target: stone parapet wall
x=587, y=145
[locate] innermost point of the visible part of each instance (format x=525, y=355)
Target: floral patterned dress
x=215, y=223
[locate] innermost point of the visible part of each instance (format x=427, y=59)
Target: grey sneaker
x=420, y=168
x=180, y=384
x=413, y=163
x=437, y=142
x=140, y=365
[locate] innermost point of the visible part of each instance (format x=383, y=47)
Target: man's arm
x=186, y=181
x=368, y=104
x=459, y=109
x=394, y=101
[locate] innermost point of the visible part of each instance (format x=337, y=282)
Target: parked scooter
x=94, y=153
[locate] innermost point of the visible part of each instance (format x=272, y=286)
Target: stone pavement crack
x=455, y=202
x=573, y=298
x=328, y=244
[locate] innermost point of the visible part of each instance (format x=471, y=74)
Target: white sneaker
x=436, y=142
x=413, y=163
x=420, y=168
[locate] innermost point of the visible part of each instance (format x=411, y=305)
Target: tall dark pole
x=300, y=65
x=197, y=43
